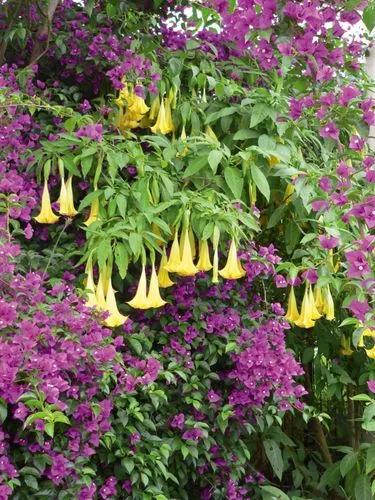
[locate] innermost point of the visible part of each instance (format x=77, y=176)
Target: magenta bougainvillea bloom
x=328, y=242
x=371, y=385
x=329, y=130
x=359, y=308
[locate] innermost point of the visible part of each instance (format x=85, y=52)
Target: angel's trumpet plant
x=315, y=312
x=346, y=349
x=153, y=298
x=163, y=276
x=215, y=267
x=90, y=286
x=318, y=298
x=94, y=213
x=211, y=134
x=174, y=260
x=154, y=109
x=292, y=313
x=204, y=262
x=140, y=300
x=368, y=332
x=233, y=269
x=66, y=199
x=164, y=123
x=305, y=319
x=46, y=214
x=115, y=318
x=186, y=266
x=328, y=304
x=100, y=292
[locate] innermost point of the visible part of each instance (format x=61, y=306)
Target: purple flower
x=192, y=434
x=359, y=308
x=371, y=385
x=329, y=131
x=213, y=397
x=85, y=106
x=93, y=131
x=325, y=184
x=134, y=438
x=178, y=421
x=344, y=170
x=348, y=93
x=356, y=143
x=319, y=205
x=358, y=265
x=311, y=275
x=280, y=281
x=328, y=242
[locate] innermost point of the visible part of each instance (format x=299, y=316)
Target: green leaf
x=234, y=180
x=135, y=344
x=245, y=133
x=272, y=493
x=219, y=114
x=128, y=463
x=121, y=259
x=214, y=158
x=195, y=166
x=260, y=181
x=31, y=482
x=135, y=243
x=3, y=410
x=49, y=428
x=369, y=16
x=274, y=456
x=259, y=113
x=362, y=488
x=348, y=462
x=370, y=460
x=276, y=216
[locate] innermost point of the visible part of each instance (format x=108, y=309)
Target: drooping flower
x=90, y=286
x=115, y=318
x=315, y=314
x=292, y=313
x=163, y=276
x=174, y=256
x=346, y=349
x=164, y=124
x=46, y=214
x=368, y=332
x=328, y=308
x=233, y=269
x=186, y=266
x=94, y=213
x=305, y=319
x=318, y=298
x=211, y=134
x=153, y=298
x=215, y=242
x=66, y=199
x=204, y=262
x=100, y=292
x=140, y=300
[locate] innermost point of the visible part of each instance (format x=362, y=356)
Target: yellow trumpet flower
x=345, y=347
x=154, y=110
x=115, y=318
x=204, y=262
x=328, y=305
x=183, y=137
x=215, y=271
x=233, y=269
x=318, y=298
x=368, y=332
x=305, y=319
x=288, y=193
x=100, y=293
x=211, y=134
x=186, y=266
x=140, y=300
x=66, y=199
x=315, y=312
x=94, y=213
x=174, y=260
x=90, y=286
x=163, y=276
x=292, y=313
x=46, y=214
x=163, y=124
x=153, y=298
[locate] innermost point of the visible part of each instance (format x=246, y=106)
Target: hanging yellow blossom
x=163, y=276
x=164, y=124
x=174, y=257
x=115, y=318
x=66, y=199
x=186, y=266
x=233, y=269
x=154, y=110
x=328, y=305
x=305, y=319
x=100, y=293
x=46, y=214
x=90, y=286
x=211, y=134
x=292, y=313
x=368, y=332
x=315, y=312
x=204, y=262
x=136, y=109
x=318, y=298
x=94, y=213
x=288, y=193
x=345, y=347
x=140, y=300
x=153, y=298
x=215, y=267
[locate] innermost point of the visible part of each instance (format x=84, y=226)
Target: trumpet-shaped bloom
x=233, y=269
x=164, y=124
x=204, y=262
x=292, y=313
x=163, y=276
x=305, y=319
x=174, y=260
x=368, y=332
x=154, y=110
x=100, y=293
x=318, y=298
x=46, y=215
x=153, y=298
x=186, y=266
x=215, y=267
x=94, y=213
x=140, y=300
x=115, y=318
x=211, y=134
x=345, y=347
x=315, y=312
x=288, y=193
x=66, y=199
x=328, y=305
x=90, y=286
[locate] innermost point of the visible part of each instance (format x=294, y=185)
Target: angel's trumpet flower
x=318, y=298
x=328, y=304
x=215, y=242
x=174, y=260
x=345, y=347
x=163, y=276
x=186, y=266
x=315, y=312
x=115, y=318
x=233, y=269
x=204, y=262
x=288, y=193
x=140, y=300
x=100, y=293
x=292, y=313
x=305, y=319
x=66, y=199
x=94, y=213
x=163, y=124
x=210, y=133
x=153, y=298
x=154, y=110
x=367, y=332
x=46, y=215
x=90, y=286
x=185, y=149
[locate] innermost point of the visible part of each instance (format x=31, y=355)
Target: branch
x=44, y=30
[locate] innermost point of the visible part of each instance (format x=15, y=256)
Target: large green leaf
x=260, y=181
x=274, y=456
x=234, y=180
